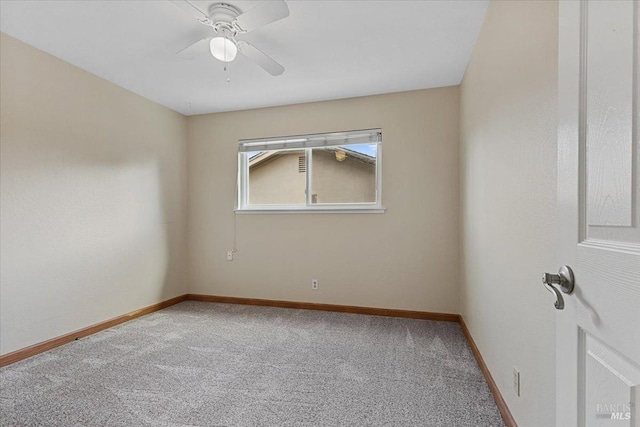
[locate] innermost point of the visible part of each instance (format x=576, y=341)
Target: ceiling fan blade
x=255, y=55
x=265, y=12
x=192, y=10
x=196, y=49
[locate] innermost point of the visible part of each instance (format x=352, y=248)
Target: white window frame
x=308, y=143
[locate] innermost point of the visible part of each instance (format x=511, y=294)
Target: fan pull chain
x=226, y=64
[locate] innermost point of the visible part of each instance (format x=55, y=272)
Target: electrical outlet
x=516, y=381
x=314, y=284
x=229, y=255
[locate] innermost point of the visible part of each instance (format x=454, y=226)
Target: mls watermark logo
x=614, y=411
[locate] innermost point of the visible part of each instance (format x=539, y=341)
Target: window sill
x=310, y=211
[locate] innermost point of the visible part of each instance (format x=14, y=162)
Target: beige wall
x=406, y=258
x=508, y=164
x=278, y=180
x=92, y=198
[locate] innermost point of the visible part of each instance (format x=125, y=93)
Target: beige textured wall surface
x=92, y=198
x=406, y=258
x=508, y=163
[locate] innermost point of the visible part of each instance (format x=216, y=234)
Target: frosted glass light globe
x=223, y=49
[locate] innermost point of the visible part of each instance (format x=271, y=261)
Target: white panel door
x=598, y=332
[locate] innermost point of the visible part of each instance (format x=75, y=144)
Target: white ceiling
x=330, y=49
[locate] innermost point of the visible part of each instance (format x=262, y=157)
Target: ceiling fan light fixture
x=223, y=49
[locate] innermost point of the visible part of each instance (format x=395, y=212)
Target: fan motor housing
x=223, y=13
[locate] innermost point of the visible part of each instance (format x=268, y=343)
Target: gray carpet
x=203, y=364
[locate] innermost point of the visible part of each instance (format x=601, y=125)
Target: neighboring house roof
x=263, y=156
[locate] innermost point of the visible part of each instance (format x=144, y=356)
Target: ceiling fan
x=227, y=23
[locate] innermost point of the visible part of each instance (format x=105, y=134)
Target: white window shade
x=368, y=136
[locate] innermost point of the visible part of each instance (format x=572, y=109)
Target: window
x=334, y=171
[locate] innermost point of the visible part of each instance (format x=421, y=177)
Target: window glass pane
x=277, y=177
x=344, y=174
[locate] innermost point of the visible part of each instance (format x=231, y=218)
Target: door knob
x=565, y=281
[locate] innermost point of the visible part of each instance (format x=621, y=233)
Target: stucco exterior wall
x=278, y=180
x=349, y=181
